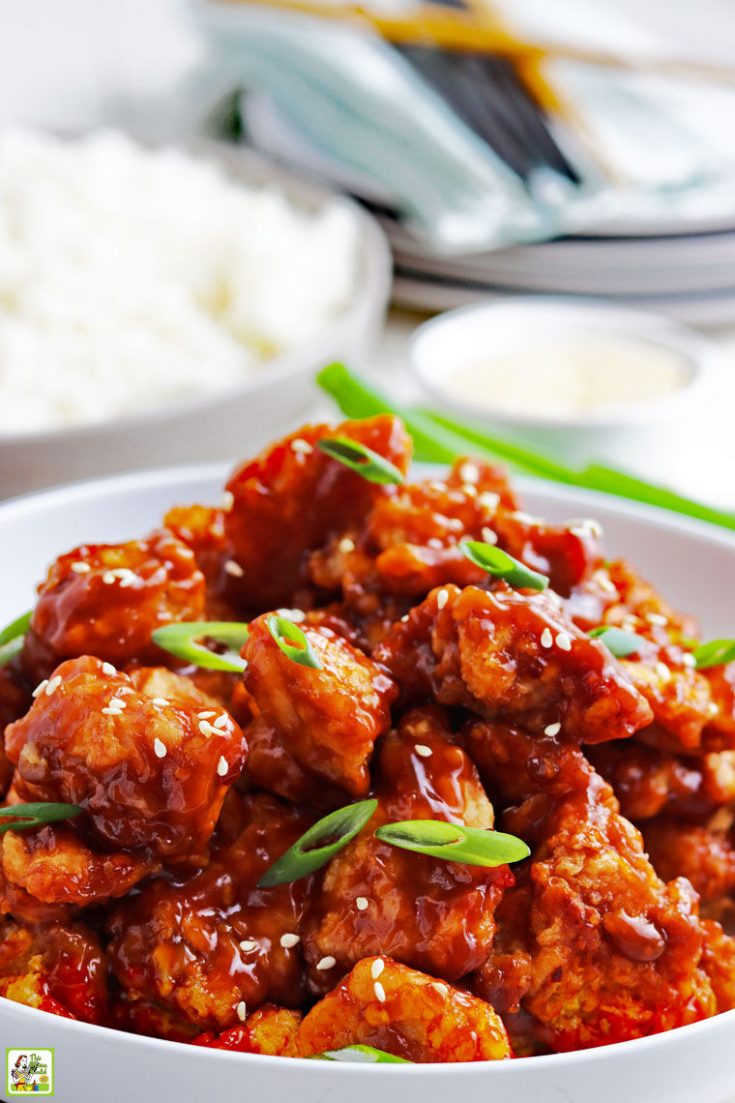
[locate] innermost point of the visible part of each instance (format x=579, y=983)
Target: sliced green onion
x=498, y=563
x=370, y=465
x=23, y=817
x=319, y=844
x=359, y=1054
x=11, y=638
x=453, y=842
x=618, y=642
x=182, y=640
x=714, y=653
x=292, y=641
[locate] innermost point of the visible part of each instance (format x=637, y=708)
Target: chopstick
x=438, y=439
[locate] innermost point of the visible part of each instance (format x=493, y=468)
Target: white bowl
x=213, y=425
x=444, y=343
x=97, y=1065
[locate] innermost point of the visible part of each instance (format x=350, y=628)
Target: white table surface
x=85, y=63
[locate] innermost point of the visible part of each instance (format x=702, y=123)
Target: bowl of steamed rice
x=156, y=304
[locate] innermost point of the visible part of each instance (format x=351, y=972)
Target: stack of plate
x=681, y=263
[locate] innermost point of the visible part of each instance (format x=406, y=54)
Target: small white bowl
x=212, y=426
x=443, y=344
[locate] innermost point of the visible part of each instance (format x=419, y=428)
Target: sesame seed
x=441, y=989
x=524, y=518
x=108, y=578
x=440, y=487
x=301, y=447
x=222, y=766
x=441, y=599
x=232, y=567
x=404, y=618
x=656, y=618
x=663, y=672
x=40, y=688
x=248, y=945
x=128, y=580
x=112, y=712
x=288, y=940
x=688, y=659
x=488, y=500
x=712, y=708
x=434, y=542
x=377, y=968
x=80, y=567
x=296, y=615
x=346, y=544
x=325, y=963
x=423, y=751
x=108, y=668
x=53, y=685
x=564, y=641
x=469, y=490
x=379, y=992
x=206, y=715
x=552, y=729
x=362, y=903
x=206, y=728
x=163, y=701
x=242, y=1011
x=488, y=535
x=469, y=473
x=118, y=703
x=221, y=721
x=228, y=501
x=159, y=748
x=546, y=638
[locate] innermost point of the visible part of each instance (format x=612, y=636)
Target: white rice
x=129, y=278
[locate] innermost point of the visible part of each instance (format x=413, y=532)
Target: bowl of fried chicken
x=332, y=778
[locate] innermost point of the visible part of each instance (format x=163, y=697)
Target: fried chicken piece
x=433, y=914
x=199, y=945
x=704, y=855
x=150, y=776
x=271, y=766
x=721, y=723
x=270, y=1030
x=515, y=656
x=107, y=599
x=327, y=719
x=288, y=501
x=57, y=969
x=53, y=865
x=610, y=952
x=679, y=697
x=202, y=528
x=406, y=1013
x=649, y=782
x=640, y=607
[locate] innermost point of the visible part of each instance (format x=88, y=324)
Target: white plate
x=96, y=1065
x=213, y=425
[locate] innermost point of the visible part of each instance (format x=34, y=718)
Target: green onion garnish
x=360, y=1054
x=498, y=563
x=453, y=842
x=11, y=637
x=292, y=642
x=182, y=640
x=26, y=816
x=714, y=653
x=319, y=844
x=618, y=642
x=371, y=465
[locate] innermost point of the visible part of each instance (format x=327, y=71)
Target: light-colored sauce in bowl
x=568, y=376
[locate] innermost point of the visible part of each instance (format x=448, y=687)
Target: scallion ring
x=453, y=842
x=23, y=817
x=319, y=844
x=714, y=653
x=12, y=636
x=498, y=563
x=618, y=642
x=359, y=1054
x=183, y=641
x=370, y=465
x=292, y=641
